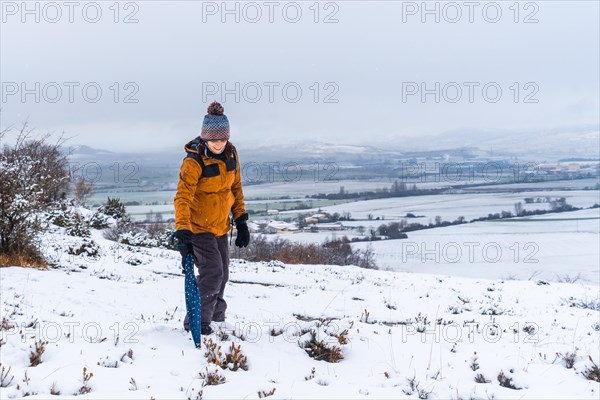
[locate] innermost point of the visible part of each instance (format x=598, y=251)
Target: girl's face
x=216, y=146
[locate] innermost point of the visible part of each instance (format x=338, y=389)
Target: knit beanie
x=216, y=124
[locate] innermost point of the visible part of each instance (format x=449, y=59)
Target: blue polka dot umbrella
x=192, y=293
x=192, y=298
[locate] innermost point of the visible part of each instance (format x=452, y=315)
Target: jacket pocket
x=210, y=185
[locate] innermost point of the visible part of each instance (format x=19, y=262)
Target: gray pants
x=212, y=260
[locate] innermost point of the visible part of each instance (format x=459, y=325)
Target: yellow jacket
x=209, y=189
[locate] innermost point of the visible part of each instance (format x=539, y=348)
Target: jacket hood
x=195, y=146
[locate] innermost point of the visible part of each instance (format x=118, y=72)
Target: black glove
x=184, y=236
x=243, y=235
x=184, y=245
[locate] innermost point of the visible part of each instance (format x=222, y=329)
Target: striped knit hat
x=216, y=124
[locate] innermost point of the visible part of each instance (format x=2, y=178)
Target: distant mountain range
x=580, y=141
x=534, y=145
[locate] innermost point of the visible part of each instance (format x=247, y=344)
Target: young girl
x=209, y=189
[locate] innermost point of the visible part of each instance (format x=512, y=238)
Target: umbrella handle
x=172, y=240
x=179, y=244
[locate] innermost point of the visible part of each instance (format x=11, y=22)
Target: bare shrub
x=35, y=356
x=335, y=251
x=506, y=381
x=5, y=381
x=121, y=227
x=592, y=372
x=54, y=390
x=82, y=190
x=211, y=378
x=474, y=363
x=311, y=375
x=530, y=329
x=33, y=178
x=414, y=386
x=85, y=387
x=133, y=384
x=233, y=360
x=263, y=393
x=568, y=359
x=87, y=248
x=319, y=350
x=586, y=304
x=566, y=278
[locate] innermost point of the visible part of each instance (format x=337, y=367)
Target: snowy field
x=550, y=247
x=409, y=335
x=556, y=185
x=304, y=187
x=448, y=206
x=451, y=206
x=266, y=190
x=139, y=213
x=159, y=196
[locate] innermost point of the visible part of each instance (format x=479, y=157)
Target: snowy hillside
x=401, y=335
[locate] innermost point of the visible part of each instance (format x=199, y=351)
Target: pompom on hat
x=216, y=124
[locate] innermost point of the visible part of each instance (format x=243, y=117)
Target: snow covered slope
x=401, y=335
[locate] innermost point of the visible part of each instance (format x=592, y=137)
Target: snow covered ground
x=552, y=247
x=409, y=335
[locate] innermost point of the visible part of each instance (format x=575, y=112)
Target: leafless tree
x=82, y=190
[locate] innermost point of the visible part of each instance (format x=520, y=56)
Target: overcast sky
x=366, y=68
